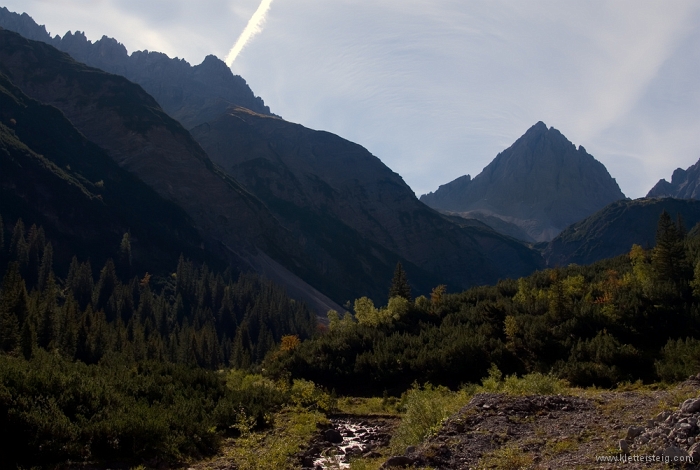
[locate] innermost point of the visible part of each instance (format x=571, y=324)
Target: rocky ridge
x=542, y=184
x=190, y=94
x=614, y=229
x=685, y=184
x=315, y=176
x=354, y=250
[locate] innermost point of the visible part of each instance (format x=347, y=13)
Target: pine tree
x=668, y=258
x=36, y=241
x=46, y=267
x=105, y=286
x=399, y=284
x=14, y=307
x=68, y=331
x=19, y=250
x=28, y=340
x=125, y=258
x=241, y=352
x=48, y=322
x=80, y=282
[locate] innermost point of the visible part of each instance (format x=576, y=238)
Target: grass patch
x=291, y=429
x=563, y=446
x=506, y=458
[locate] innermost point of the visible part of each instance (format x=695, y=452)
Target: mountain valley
x=266, y=295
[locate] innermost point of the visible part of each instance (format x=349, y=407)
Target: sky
x=437, y=88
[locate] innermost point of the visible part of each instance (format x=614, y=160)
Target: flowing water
x=359, y=437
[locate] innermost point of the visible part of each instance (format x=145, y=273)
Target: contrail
x=253, y=27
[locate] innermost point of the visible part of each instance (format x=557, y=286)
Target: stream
x=346, y=438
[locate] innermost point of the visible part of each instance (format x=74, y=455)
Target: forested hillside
x=623, y=319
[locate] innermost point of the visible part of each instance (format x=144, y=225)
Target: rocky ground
x=587, y=429
x=639, y=428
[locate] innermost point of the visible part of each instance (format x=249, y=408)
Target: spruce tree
x=14, y=308
x=28, y=340
x=668, y=258
x=105, y=286
x=19, y=250
x=46, y=267
x=125, y=258
x=399, y=284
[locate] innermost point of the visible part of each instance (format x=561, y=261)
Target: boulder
x=332, y=436
x=691, y=405
x=633, y=432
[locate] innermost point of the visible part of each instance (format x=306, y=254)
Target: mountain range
x=295, y=214
x=188, y=160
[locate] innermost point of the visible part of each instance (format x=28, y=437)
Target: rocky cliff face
x=296, y=171
x=542, y=183
x=685, y=184
x=192, y=95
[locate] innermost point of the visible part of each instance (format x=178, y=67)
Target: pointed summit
x=542, y=183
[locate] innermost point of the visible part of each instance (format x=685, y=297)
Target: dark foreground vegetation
x=632, y=317
x=121, y=366
x=110, y=366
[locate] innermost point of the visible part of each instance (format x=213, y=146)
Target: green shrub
x=53, y=410
x=679, y=359
x=528, y=384
x=425, y=409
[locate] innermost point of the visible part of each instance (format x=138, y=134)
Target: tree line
x=194, y=316
x=634, y=317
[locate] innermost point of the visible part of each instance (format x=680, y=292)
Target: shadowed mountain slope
x=50, y=175
x=342, y=232
x=613, y=230
x=133, y=130
x=298, y=170
x=542, y=183
x=192, y=95
x=685, y=184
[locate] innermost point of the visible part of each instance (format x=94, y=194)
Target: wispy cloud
x=253, y=27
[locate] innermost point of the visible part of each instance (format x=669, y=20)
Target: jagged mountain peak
x=541, y=183
x=685, y=184
x=192, y=95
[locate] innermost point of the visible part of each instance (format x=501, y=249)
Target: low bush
x=53, y=410
x=425, y=408
x=529, y=384
x=679, y=359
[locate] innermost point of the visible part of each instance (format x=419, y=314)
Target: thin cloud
x=253, y=27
